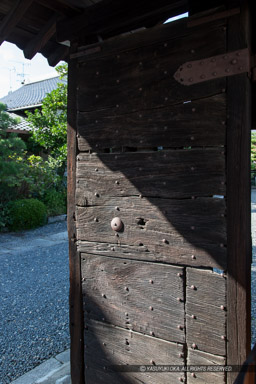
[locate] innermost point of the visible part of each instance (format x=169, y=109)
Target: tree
x=253, y=151
x=11, y=148
x=49, y=124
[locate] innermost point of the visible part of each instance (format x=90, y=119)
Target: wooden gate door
x=167, y=283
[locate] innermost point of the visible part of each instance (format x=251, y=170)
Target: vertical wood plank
x=75, y=295
x=238, y=202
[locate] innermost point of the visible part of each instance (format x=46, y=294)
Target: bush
x=4, y=217
x=27, y=214
x=56, y=202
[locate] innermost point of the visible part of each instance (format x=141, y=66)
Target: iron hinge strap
x=228, y=64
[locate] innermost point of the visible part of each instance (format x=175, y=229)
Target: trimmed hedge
x=27, y=214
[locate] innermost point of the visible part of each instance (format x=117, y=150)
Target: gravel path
x=34, y=288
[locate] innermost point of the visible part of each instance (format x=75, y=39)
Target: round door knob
x=116, y=224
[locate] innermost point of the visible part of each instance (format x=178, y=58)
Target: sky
x=14, y=68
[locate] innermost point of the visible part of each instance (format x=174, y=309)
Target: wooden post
x=238, y=201
x=75, y=297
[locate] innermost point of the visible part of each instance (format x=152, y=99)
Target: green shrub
x=27, y=214
x=4, y=217
x=56, y=202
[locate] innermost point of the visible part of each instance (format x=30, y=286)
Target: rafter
x=13, y=18
x=108, y=16
x=41, y=39
x=59, y=54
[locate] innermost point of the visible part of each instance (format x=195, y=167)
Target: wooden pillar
x=75, y=297
x=238, y=201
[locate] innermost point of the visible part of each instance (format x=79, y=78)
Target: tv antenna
x=22, y=75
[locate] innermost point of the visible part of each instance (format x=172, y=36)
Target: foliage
x=50, y=123
x=56, y=202
x=253, y=151
x=11, y=147
x=27, y=214
x=5, y=218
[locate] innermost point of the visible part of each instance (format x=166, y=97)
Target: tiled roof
x=23, y=125
x=30, y=95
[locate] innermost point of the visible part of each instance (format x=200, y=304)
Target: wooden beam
x=58, y=55
x=108, y=15
x=13, y=18
x=41, y=39
x=59, y=7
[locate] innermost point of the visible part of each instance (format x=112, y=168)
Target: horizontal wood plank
x=189, y=227
x=143, y=78
x=199, y=358
x=206, y=311
x=176, y=126
x=134, y=295
x=169, y=174
x=107, y=345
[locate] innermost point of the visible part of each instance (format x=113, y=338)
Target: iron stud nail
x=213, y=60
x=202, y=77
x=181, y=355
x=96, y=169
x=97, y=96
x=222, y=307
x=140, y=89
x=179, y=274
x=117, y=182
x=140, y=196
x=96, y=121
x=97, y=73
x=127, y=289
x=192, y=138
x=96, y=219
x=214, y=74
x=193, y=374
x=118, y=81
x=113, y=249
x=193, y=317
x=165, y=44
x=192, y=51
x=190, y=79
x=117, y=105
x=151, y=333
x=179, y=299
x=151, y=281
x=194, y=346
x=96, y=194
x=189, y=65
x=193, y=287
x=103, y=295
x=152, y=362
x=181, y=379
x=165, y=72
x=192, y=227
x=223, y=337
x=165, y=128
x=234, y=61
x=227, y=70
x=117, y=208
x=193, y=257
x=240, y=68
x=193, y=197
x=103, y=318
x=165, y=241
x=151, y=308
x=180, y=327
x=116, y=224
x=193, y=109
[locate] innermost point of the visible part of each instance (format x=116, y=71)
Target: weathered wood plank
x=199, y=358
x=189, y=227
x=169, y=174
x=107, y=345
x=134, y=295
x=206, y=311
x=176, y=126
x=143, y=78
x=238, y=202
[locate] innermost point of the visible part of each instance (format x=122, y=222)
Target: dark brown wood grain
x=199, y=358
x=176, y=126
x=134, y=295
x=168, y=174
x=238, y=201
x=108, y=345
x=75, y=296
x=206, y=311
x=190, y=227
x=143, y=78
